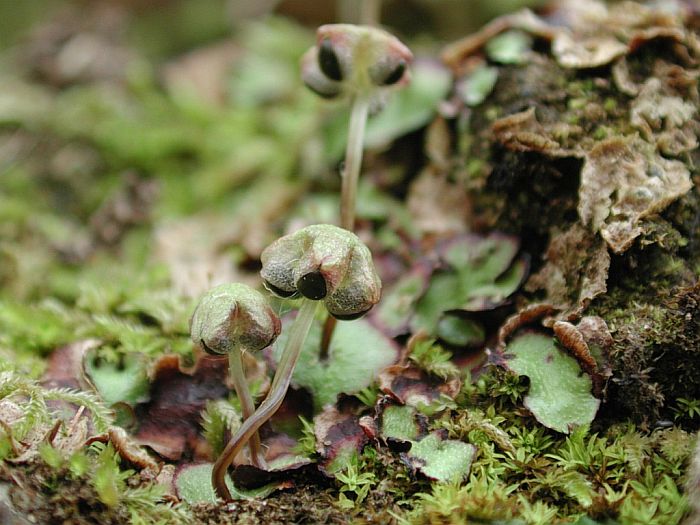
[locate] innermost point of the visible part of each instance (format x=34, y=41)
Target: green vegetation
x=130, y=185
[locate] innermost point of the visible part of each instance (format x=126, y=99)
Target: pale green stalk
x=370, y=12
x=298, y=332
x=353, y=160
x=240, y=384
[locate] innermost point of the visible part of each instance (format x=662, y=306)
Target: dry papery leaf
x=412, y=386
x=570, y=337
x=169, y=421
x=193, y=249
x=525, y=20
x=203, y=73
x=438, y=206
x=523, y=132
x=622, y=182
x=663, y=115
x=577, y=340
x=129, y=450
x=585, y=53
x=527, y=315
x=575, y=271
x=338, y=435
x=584, y=33
x=597, y=34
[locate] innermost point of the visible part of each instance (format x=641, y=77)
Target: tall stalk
x=353, y=160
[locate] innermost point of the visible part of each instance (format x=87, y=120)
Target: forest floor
x=530, y=201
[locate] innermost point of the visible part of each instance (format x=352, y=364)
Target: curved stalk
x=353, y=160
x=247, y=405
x=278, y=389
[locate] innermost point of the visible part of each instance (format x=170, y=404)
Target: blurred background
x=179, y=24
x=152, y=148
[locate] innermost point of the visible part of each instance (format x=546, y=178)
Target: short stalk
x=298, y=332
x=353, y=160
x=247, y=405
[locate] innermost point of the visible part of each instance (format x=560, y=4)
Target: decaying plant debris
x=533, y=358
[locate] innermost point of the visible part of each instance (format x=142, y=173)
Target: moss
x=652, y=311
x=59, y=492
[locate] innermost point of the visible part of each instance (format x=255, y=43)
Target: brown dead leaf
x=203, y=73
x=622, y=182
x=169, y=422
x=572, y=339
x=338, y=435
x=664, y=116
x=655, y=110
x=575, y=272
x=586, y=53
x=438, y=206
x=65, y=366
x=525, y=20
x=525, y=316
x=596, y=332
x=598, y=338
x=130, y=451
x=522, y=132
x=650, y=34
x=584, y=33
x=578, y=341
x=622, y=78
x=412, y=386
x=598, y=34
x=194, y=250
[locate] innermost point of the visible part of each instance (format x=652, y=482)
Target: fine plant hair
x=33, y=399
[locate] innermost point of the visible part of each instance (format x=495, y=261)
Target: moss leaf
x=560, y=395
